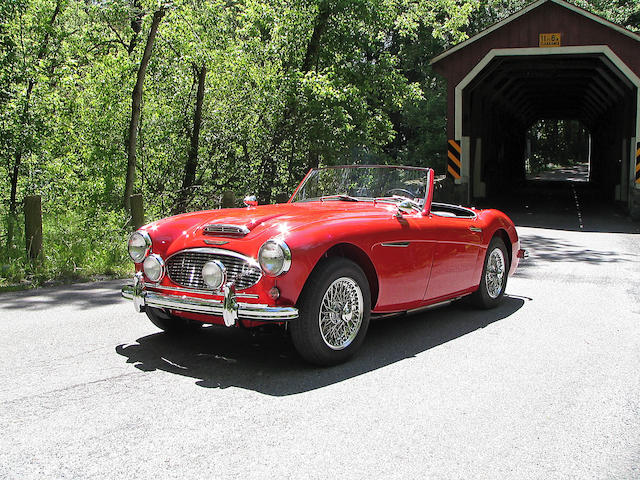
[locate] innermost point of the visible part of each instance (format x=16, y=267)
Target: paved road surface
x=575, y=173
x=547, y=386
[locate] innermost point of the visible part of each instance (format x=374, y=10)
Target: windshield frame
x=428, y=198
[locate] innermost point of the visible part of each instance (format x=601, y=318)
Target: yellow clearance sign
x=550, y=40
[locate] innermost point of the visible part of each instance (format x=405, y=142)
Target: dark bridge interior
x=513, y=93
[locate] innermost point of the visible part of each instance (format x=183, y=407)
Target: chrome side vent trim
x=395, y=244
x=225, y=229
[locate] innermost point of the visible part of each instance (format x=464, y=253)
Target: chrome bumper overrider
x=229, y=309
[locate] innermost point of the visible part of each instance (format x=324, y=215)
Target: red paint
x=443, y=258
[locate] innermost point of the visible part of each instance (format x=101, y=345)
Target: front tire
x=170, y=324
x=335, y=307
x=494, y=276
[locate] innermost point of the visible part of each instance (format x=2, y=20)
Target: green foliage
x=76, y=246
x=557, y=143
x=290, y=84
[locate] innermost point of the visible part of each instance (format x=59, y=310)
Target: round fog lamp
x=153, y=267
x=214, y=274
x=139, y=246
x=274, y=293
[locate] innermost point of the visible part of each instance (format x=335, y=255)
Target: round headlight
x=274, y=257
x=214, y=274
x=153, y=267
x=139, y=246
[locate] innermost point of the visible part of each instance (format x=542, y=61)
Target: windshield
x=364, y=183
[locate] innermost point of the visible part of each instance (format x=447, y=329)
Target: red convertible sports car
x=352, y=242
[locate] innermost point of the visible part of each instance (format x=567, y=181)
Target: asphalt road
x=545, y=386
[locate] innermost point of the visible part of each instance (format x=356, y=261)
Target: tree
x=23, y=84
x=191, y=165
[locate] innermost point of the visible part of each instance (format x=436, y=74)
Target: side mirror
x=250, y=201
x=405, y=207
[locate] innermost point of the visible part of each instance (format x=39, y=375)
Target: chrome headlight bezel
x=146, y=241
x=154, y=260
x=285, y=253
x=223, y=274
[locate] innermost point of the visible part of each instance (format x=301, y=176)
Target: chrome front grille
x=185, y=268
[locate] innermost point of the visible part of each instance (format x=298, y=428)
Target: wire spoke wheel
x=495, y=273
x=341, y=312
x=335, y=307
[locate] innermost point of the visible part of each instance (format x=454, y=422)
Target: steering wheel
x=403, y=191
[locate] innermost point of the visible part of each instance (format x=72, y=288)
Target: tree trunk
x=136, y=100
x=14, y=173
x=319, y=27
x=192, y=160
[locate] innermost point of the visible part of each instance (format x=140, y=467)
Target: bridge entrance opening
x=557, y=151
x=549, y=63
x=577, y=110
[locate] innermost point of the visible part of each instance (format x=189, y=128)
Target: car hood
x=188, y=230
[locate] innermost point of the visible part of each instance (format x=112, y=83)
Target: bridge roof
x=527, y=10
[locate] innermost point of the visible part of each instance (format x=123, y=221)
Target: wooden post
x=137, y=210
x=33, y=225
x=228, y=199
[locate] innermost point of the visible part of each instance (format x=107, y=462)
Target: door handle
x=475, y=229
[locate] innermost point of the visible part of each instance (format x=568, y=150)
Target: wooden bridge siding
x=523, y=32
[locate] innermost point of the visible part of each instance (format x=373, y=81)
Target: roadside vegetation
x=181, y=100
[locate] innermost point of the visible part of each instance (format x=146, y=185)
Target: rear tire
x=494, y=276
x=334, y=310
x=170, y=324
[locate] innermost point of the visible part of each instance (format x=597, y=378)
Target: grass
x=77, y=246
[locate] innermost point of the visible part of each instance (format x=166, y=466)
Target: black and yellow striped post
x=453, y=159
x=638, y=164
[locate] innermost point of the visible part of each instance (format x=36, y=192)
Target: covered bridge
x=550, y=60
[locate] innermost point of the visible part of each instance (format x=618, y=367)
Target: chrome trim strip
x=432, y=306
x=395, y=244
x=247, y=311
x=195, y=290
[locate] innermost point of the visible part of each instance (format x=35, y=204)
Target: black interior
x=513, y=93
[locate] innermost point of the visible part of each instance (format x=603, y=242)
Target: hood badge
x=215, y=242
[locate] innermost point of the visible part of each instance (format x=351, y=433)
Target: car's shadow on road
x=218, y=357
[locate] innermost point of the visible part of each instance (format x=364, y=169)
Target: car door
x=457, y=246
x=402, y=257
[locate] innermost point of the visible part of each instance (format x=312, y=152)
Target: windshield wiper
x=343, y=197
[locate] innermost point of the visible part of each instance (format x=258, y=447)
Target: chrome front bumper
x=229, y=309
